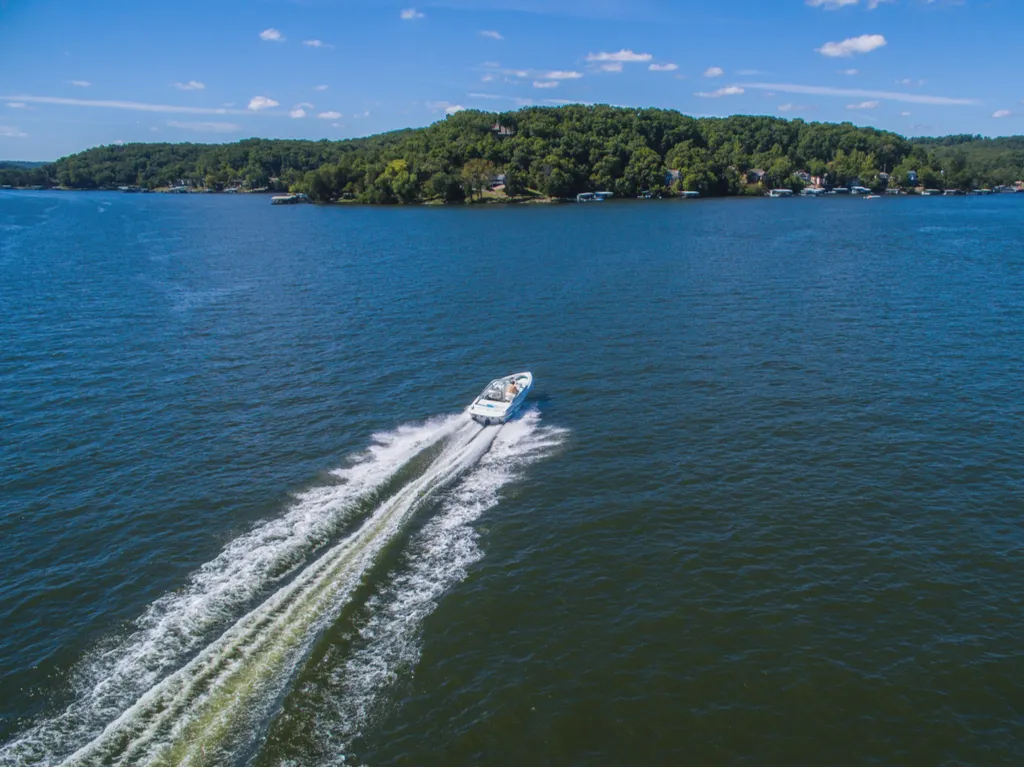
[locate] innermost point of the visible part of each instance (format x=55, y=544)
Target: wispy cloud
x=205, y=127
x=444, y=106
x=852, y=45
x=663, y=67
x=623, y=55
x=495, y=96
x=317, y=44
x=319, y=87
x=297, y=113
x=191, y=85
x=731, y=90
x=272, y=35
x=329, y=115
x=256, y=103
x=850, y=72
x=17, y=105
x=863, y=105
x=545, y=83
x=493, y=35
x=817, y=90
x=831, y=5
x=10, y=132
x=130, y=105
x=612, y=66
x=487, y=78
x=80, y=83
x=714, y=72
x=559, y=74
x=791, y=107
x=750, y=72
x=904, y=114
x=1002, y=113
x=909, y=82
x=411, y=14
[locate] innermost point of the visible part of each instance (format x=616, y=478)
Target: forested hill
x=556, y=152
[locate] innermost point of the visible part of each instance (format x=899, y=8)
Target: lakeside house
x=804, y=176
x=912, y=178
x=672, y=176
x=755, y=175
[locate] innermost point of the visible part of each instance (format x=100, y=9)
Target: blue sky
x=78, y=74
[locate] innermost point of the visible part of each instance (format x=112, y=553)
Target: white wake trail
x=113, y=678
x=215, y=705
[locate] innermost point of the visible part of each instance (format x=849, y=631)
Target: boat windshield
x=502, y=391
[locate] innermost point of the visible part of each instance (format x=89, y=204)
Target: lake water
x=765, y=505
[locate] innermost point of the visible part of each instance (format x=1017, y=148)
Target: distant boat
x=781, y=193
x=839, y=191
x=289, y=199
x=932, y=192
x=812, y=191
x=860, y=191
x=872, y=197
x=689, y=194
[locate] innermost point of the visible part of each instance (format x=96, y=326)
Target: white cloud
x=849, y=72
x=491, y=34
x=663, y=67
x=714, y=72
x=545, y=84
x=319, y=87
x=904, y=114
x=731, y=90
x=831, y=5
x=558, y=74
x=852, y=45
x=411, y=14
x=1002, y=113
x=750, y=72
x=303, y=104
x=10, y=132
x=329, y=115
x=515, y=72
x=790, y=107
x=17, y=105
x=442, y=106
x=191, y=85
x=205, y=127
x=872, y=4
x=908, y=82
x=316, y=44
x=261, y=102
x=80, y=83
x=119, y=142
x=490, y=65
x=623, y=55
x=131, y=105
x=863, y=105
x=817, y=90
x=487, y=78
x=271, y=34
x=297, y=113
x=612, y=66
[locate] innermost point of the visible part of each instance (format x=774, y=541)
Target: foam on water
x=438, y=558
x=114, y=677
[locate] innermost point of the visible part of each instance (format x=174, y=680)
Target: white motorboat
x=501, y=399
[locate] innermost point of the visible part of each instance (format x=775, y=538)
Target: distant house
x=498, y=180
x=755, y=175
x=672, y=176
x=804, y=176
x=502, y=130
x=912, y=178
x=818, y=181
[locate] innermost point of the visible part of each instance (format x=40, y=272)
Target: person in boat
x=512, y=390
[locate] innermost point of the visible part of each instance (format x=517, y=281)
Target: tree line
x=552, y=151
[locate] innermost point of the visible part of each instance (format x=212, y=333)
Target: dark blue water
x=765, y=505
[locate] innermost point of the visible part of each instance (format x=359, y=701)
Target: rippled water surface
x=765, y=504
